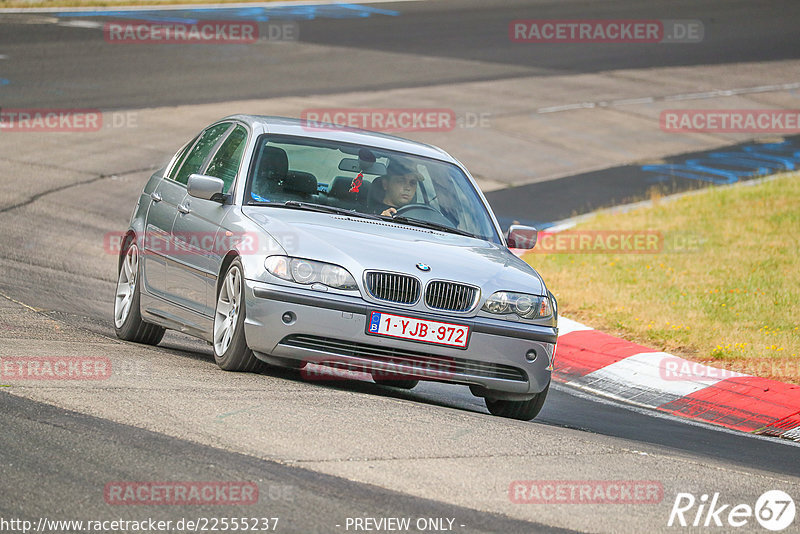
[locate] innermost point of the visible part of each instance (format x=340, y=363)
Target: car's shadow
x=428, y=392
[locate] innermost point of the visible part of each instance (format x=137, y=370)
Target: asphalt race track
x=321, y=453
x=430, y=43
x=587, y=192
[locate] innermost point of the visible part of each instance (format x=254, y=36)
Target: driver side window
x=200, y=151
x=225, y=163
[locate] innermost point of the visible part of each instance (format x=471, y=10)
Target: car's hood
x=363, y=244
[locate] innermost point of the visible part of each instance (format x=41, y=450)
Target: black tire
x=133, y=327
x=400, y=384
x=522, y=410
x=238, y=356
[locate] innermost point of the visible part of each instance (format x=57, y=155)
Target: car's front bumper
x=314, y=326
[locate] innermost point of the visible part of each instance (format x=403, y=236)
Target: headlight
x=522, y=304
x=308, y=272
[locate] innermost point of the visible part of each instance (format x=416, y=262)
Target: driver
x=399, y=187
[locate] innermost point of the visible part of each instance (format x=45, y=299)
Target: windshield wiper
x=322, y=208
x=427, y=224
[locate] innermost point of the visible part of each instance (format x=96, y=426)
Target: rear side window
x=200, y=151
x=226, y=161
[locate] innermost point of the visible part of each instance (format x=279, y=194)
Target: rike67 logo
x=774, y=510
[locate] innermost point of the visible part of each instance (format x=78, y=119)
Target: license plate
x=399, y=326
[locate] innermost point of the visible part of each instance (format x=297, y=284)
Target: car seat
x=271, y=172
x=339, y=194
x=300, y=184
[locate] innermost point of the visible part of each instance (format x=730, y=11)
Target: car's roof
x=302, y=128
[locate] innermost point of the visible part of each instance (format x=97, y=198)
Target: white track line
x=646, y=378
x=565, y=326
x=627, y=405
x=81, y=24
x=178, y=7
x=673, y=98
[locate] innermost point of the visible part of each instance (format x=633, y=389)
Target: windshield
x=367, y=180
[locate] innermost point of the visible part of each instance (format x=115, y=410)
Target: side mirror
x=523, y=237
x=206, y=187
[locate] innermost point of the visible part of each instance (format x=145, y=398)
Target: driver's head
x=400, y=183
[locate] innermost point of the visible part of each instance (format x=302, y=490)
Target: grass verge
x=723, y=289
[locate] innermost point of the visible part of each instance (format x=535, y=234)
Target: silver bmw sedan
x=295, y=244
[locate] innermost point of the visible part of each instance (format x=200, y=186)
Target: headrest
x=340, y=187
x=274, y=164
x=300, y=182
x=376, y=191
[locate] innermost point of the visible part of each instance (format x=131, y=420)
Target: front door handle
x=183, y=208
x=156, y=197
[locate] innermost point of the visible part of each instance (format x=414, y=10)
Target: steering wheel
x=423, y=212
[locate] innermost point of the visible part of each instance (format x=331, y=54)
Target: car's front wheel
x=128, y=323
x=230, y=347
x=522, y=410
